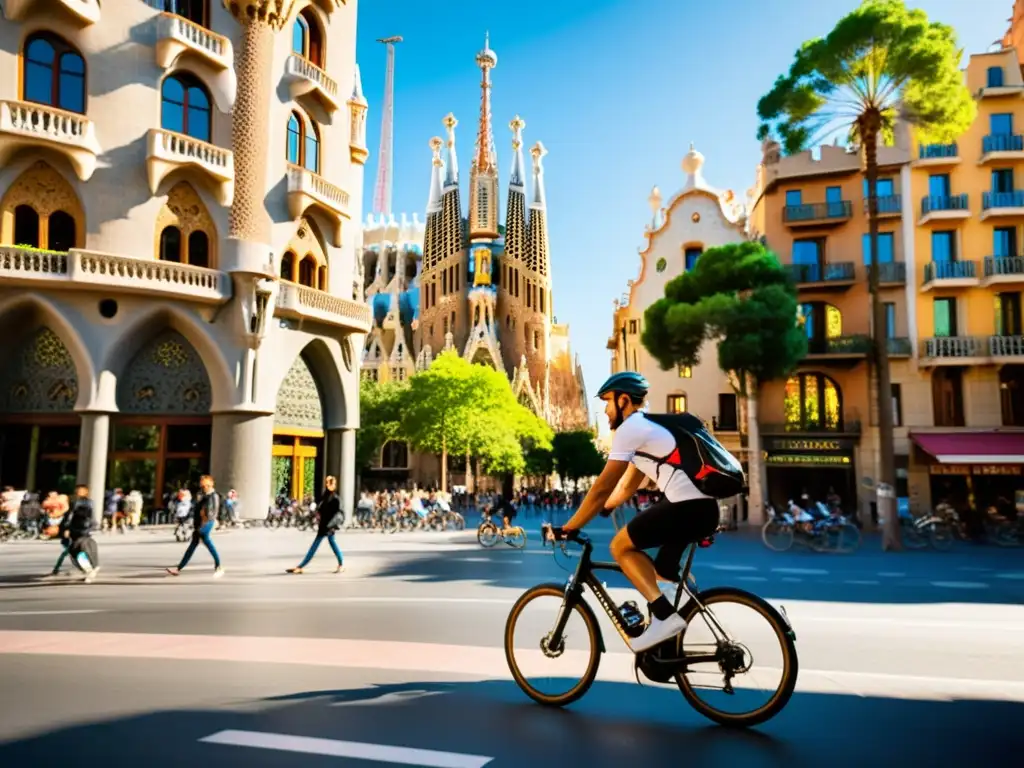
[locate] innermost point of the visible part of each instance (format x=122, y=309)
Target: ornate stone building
x=485, y=289
x=180, y=290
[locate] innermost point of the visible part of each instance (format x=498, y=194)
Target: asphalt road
x=397, y=661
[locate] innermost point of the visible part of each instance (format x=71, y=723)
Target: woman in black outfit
x=331, y=518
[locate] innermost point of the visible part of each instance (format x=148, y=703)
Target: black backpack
x=714, y=471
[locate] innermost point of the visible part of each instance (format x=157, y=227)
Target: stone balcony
x=950, y=274
x=1006, y=349
x=167, y=151
x=305, y=78
x=936, y=155
x=1002, y=147
x=82, y=12
x=309, y=304
x=1002, y=204
x=87, y=270
x=27, y=125
x=177, y=36
x=954, y=350
x=311, y=190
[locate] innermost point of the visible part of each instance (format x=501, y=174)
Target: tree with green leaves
x=455, y=407
x=380, y=410
x=739, y=297
x=881, y=64
x=576, y=456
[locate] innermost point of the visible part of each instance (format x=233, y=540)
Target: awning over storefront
x=973, y=447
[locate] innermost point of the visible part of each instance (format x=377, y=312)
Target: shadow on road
x=614, y=725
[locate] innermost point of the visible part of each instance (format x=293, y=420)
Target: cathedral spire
x=538, y=224
x=537, y=152
x=518, y=176
x=434, y=200
x=451, y=177
x=484, y=157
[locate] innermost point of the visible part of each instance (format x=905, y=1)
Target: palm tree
x=881, y=64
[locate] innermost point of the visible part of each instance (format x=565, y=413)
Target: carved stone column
x=250, y=140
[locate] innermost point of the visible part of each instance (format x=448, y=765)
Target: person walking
x=75, y=533
x=205, y=513
x=331, y=519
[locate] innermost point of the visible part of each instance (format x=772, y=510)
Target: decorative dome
x=381, y=306
x=487, y=59
x=693, y=162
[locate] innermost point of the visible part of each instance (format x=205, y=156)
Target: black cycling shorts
x=672, y=526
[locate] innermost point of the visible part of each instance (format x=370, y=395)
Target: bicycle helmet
x=626, y=383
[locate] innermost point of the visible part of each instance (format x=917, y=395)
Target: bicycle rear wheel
x=777, y=536
x=516, y=538
x=552, y=671
x=716, y=645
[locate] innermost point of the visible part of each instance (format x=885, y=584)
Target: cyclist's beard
x=617, y=421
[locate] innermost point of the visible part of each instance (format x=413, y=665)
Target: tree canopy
x=739, y=296
x=454, y=407
x=575, y=455
x=882, y=62
x=380, y=409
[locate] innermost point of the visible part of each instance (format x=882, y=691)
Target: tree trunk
x=755, y=466
x=470, y=480
x=444, y=465
x=880, y=346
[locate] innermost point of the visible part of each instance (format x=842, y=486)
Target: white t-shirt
x=637, y=433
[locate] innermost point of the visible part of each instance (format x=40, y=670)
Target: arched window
x=307, y=272
x=822, y=322
x=321, y=278
x=26, y=226
x=170, y=245
x=185, y=106
x=60, y=231
x=303, y=147
x=394, y=454
x=813, y=402
x=54, y=73
x=306, y=38
x=193, y=10
x=288, y=266
x=199, y=249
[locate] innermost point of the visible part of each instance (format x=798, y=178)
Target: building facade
x=696, y=218
x=966, y=415
x=179, y=234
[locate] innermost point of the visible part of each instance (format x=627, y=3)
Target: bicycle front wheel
x=741, y=656
x=777, y=536
x=516, y=538
x=487, y=535
x=552, y=645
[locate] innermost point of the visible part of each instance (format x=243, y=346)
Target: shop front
x=972, y=470
x=812, y=465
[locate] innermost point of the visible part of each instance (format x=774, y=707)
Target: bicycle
x=669, y=661
x=490, y=533
x=833, y=533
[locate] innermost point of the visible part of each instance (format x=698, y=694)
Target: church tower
x=513, y=259
x=535, y=298
x=443, y=286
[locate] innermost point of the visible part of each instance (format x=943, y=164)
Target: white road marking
x=48, y=613
x=751, y=578
x=974, y=569
x=463, y=661
x=959, y=584
x=863, y=582
x=1012, y=576
x=792, y=579
x=892, y=574
x=356, y=750
x=720, y=567
x=802, y=571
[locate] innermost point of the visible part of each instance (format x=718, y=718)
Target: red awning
x=973, y=447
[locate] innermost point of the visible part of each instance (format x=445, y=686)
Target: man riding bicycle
x=507, y=510
x=682, y=516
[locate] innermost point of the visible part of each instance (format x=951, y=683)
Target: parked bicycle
x=937, y=529
x=490, y=533
x=704, y=653
x=828, y=531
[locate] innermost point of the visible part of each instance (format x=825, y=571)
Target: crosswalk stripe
x=380, y=753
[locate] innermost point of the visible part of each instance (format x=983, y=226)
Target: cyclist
x=507, y=510
x=682, y=516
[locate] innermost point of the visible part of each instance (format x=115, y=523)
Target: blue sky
x=616, y=90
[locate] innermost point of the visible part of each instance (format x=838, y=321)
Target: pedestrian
x=65, y=543
x=75, y=534
x=331, y=519
x=204, y=514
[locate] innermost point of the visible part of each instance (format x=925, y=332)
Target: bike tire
x=516, y=539
x=487, y=534
x=594, y=635
x=783, y=632
x=775, y=527
x=941, y=537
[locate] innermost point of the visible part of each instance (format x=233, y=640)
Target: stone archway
x=39, y=429
x=160, y=441
x=41, y=206
x=299, y=432
x=185, y=231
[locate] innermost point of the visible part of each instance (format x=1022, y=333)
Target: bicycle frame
x=585, y=576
